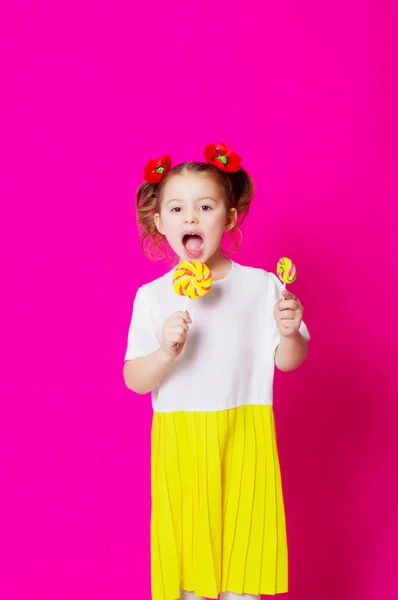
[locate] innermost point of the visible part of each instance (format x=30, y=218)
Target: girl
x=218, y=522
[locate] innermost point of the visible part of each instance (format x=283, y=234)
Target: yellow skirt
x=218, y=519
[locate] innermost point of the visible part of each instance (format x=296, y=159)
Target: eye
x=176, y=209
x=206, y=208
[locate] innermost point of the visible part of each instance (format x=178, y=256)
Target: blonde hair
x=239, y=192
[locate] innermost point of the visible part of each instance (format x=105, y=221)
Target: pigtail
x=242, y=192
x=240, y=195
x=147, y=205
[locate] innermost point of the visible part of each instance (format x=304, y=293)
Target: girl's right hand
x=175, y=331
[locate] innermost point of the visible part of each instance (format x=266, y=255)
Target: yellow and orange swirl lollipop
x=286, y=271
x=192, y=279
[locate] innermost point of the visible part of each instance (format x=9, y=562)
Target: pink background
x=307, y=94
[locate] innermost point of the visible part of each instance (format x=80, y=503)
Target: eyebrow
x=198, y=199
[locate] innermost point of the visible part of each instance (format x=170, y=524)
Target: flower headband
x=218, y=155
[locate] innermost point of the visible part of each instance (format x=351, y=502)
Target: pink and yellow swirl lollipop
x=286, y=271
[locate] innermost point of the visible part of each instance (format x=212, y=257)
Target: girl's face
x=193, y=215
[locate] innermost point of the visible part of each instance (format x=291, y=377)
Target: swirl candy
x=192, y=279
x=286, y=270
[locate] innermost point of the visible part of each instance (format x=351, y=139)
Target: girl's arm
x=291, y=352
x=143, y=374
x=293, y=347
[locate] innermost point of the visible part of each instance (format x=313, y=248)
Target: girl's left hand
x=288, y=314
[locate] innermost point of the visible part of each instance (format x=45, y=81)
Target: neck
x=219, y=265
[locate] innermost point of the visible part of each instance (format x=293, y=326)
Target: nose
x=190, y=217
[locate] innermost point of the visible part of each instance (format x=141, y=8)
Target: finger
x=178, y=322
x=287, y=315
x=170, y=329
x=289, y=304
x=284, y=302
x=186, y=317
x=286, y=295
x=183, y=315
x=178, y=330
x=176, y=339
x=289, y=325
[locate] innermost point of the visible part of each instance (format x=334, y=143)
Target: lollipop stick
x=185, y=308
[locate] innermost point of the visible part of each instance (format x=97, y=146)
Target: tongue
x=193, y=243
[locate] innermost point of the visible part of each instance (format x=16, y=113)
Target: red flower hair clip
x=222, y=157
x=155, y=170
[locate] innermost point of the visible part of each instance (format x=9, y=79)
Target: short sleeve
x=140, y=341
x=275, y=291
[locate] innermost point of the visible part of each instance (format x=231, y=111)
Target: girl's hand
x=175, y=331
x=288, y=314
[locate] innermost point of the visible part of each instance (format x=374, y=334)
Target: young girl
x=218, y=522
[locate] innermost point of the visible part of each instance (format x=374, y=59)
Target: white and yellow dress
x=218, y=521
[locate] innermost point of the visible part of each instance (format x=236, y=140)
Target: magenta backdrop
x=307, y=94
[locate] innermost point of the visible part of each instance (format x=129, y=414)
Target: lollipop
x=192, y=279
x=286, y=271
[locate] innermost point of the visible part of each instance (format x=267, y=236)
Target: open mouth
x=193, y=244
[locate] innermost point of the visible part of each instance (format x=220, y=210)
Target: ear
x=231, y=219
x=158, y=223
